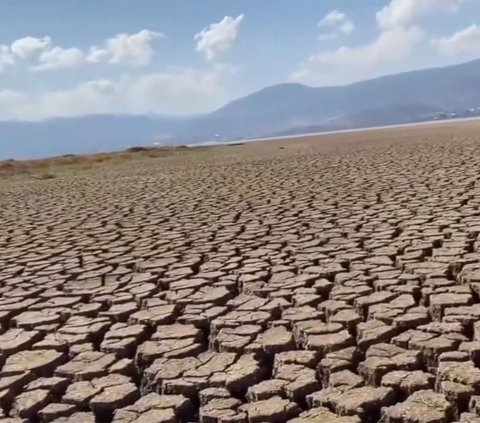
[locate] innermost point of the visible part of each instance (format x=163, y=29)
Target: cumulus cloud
x=42, y=54
x=399, y=32
x=30, y=47
x=464, y=43
x=405, y=13
x=135, y=49
x=338, y=66
x=57, y=58
x=179, y=92
x=335, y=23
x=218, y=37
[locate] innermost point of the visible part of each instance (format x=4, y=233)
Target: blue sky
x=68, y=58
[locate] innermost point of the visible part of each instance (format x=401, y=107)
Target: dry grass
x=48, y=167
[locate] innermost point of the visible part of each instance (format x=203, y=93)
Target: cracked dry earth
x=331, y=279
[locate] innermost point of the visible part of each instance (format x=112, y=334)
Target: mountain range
x=277, y=110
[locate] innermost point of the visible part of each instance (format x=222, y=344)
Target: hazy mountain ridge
x=281, y=109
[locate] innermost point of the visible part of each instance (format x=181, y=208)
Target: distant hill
x=369, y=118
x=281, y=109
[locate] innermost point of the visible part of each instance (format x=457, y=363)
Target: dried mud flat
x=326, y=279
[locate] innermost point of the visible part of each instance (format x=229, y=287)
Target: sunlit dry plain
x=330, y=279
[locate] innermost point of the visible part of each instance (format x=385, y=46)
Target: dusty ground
x=329, y=279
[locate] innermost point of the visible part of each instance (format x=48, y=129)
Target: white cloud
x=464, y=43
x=405, y=13
x=10, y=96
x=41, y=54
x=345, y=63
x=398, y=35
x=98, y=55
x=12, y=104
x=58, y=58
x=135, y=49
x=30, y=47
x=335, y=23
x=218, y=37
x=87, y=98
x=184, y=91
x=179, y=92
x=6, y=57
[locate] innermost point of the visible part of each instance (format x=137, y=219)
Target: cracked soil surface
x=325, y=279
